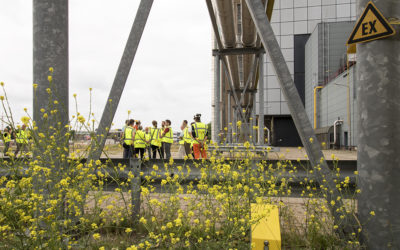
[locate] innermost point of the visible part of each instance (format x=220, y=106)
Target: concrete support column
x=261, y=140
x=50, y=49
x=378, y=88
x=217, y=94
x=229, y=109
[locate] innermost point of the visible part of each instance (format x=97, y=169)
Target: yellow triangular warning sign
x=370, y=26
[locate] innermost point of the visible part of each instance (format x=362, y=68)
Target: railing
x=141, y=169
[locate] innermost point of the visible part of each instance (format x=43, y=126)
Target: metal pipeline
x=337, y=122
x=248, y=39
x=315, y=105
x=268, y=135
x=225, y=17
x=269, y=6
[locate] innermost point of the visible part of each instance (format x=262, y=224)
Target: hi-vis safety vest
x=200, y=130
x=186, y=136
x=128, y=135
x=162, y=132
x=22, y=137
x=7, y=137
x=140, y=139
x=155, y=137
x=168, y=137
x=147, y=136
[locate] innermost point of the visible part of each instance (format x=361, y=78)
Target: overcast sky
x=171, y=74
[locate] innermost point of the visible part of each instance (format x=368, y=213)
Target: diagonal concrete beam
x=299, y=115
x=120, y=78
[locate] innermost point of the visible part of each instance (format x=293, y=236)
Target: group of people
x=21, y=137
x=136, y=140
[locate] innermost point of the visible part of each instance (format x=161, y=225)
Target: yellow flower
x=239, y=123
x=25, y=120
x=372, y=213
x=356, y=172
x=128, y=230
x=50, y=78
x=51, y=69
x=81, y=119
x=133, y=247
x=35, y=85
x=74, y=95
x=178, y=222
x=311, y=140
x=90, y=89
x=48, y=90
x=2, y=83
x=142, y=220
x=96, y=236
x=56, y=102
x=42, y=110
x=2, y=98
x=101, y=248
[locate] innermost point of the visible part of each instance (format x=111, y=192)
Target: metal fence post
x=135, y=166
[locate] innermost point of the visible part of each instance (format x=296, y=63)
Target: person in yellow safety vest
x=199, y=133
x=21, y=139
x=128, y=139
x=139, y=142
x=187, y=138
x=162, y=129
x=168, y=139
x=148, y=140
x=181, y=151
x=155, y=141
x=7, y=140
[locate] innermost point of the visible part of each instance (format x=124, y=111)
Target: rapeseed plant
x=51, y=197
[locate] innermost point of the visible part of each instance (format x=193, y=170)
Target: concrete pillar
x=378, y=88
x=261, y=140
x=50, y=49
x=229, y=109
x=217, y=95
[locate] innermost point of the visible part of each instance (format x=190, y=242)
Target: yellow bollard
x=267, y=228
